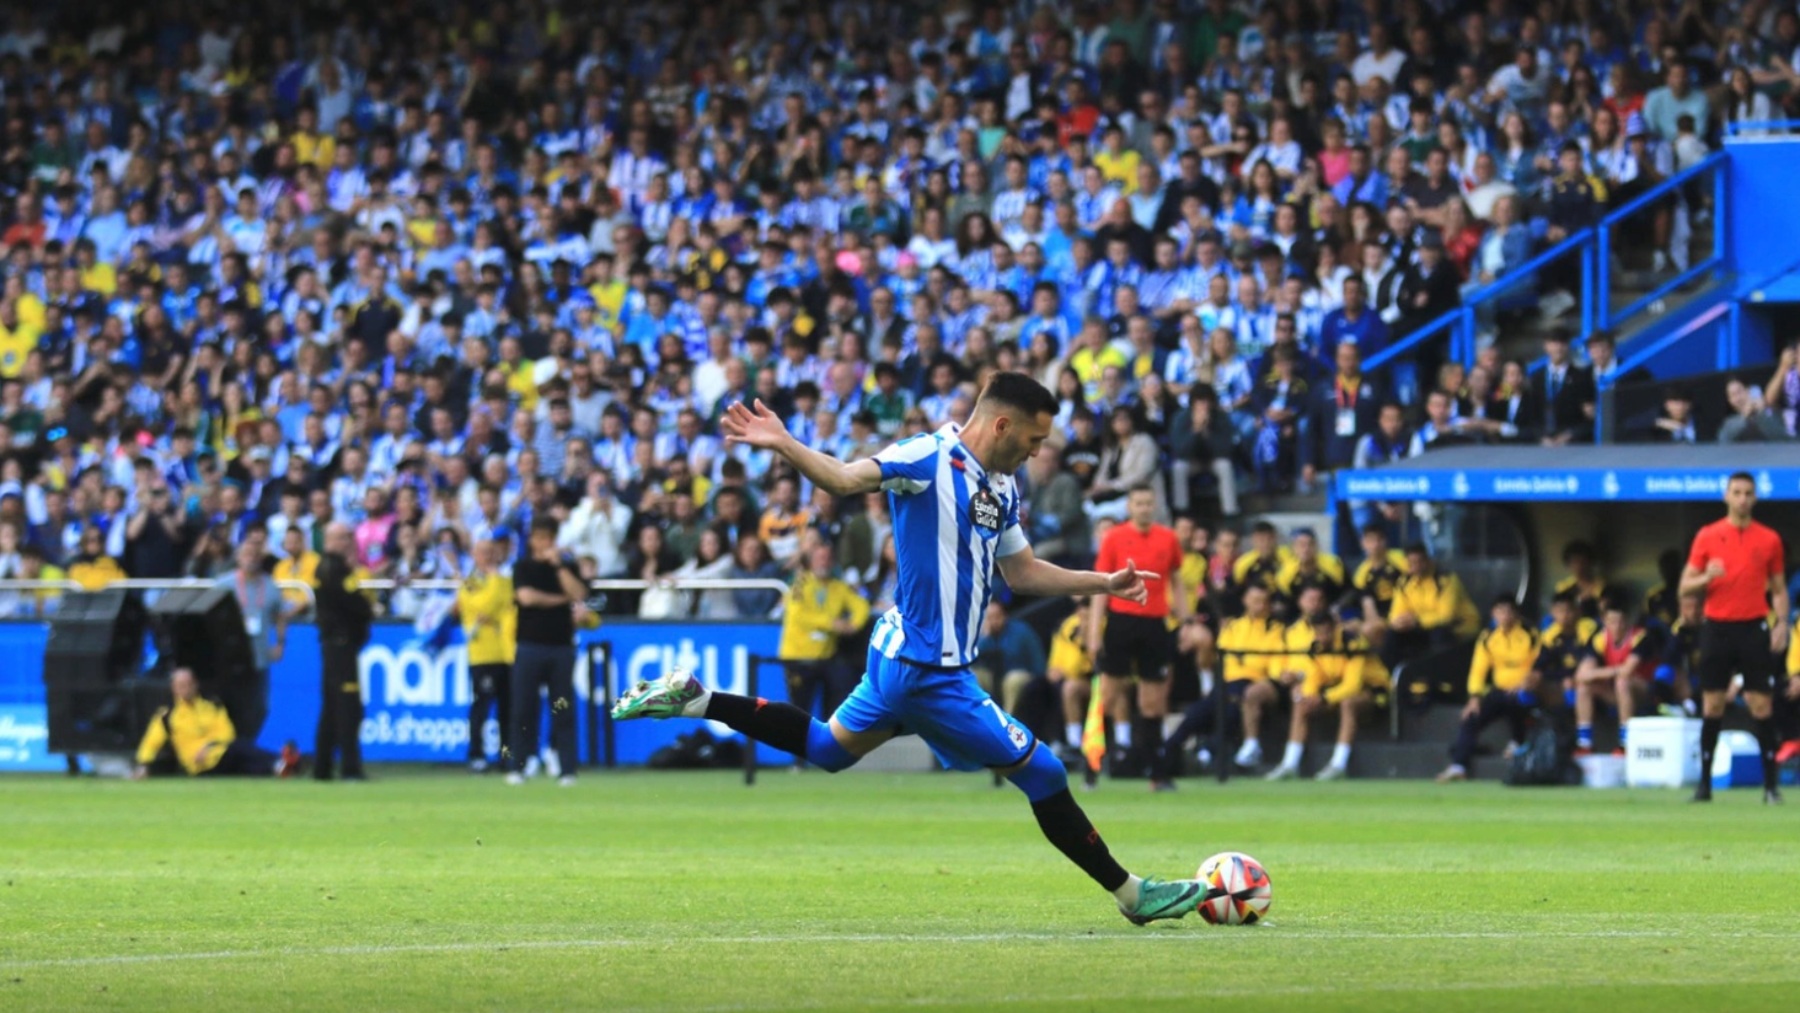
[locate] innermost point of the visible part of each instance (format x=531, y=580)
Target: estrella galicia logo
x=1609, y=485
x=1459, y=485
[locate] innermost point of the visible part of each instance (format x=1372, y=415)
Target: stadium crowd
x=435, y=271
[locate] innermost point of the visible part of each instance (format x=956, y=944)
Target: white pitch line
x=1271, y=933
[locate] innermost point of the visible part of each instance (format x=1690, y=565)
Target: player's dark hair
x=1564, y=597
x=545, y=525
x=1578, y=548
x=1417, y=549
x=1140, y=487
x=1740, y=476
x=1506, y=599
x=1262, y=528
x=1018, y=391
x=1375, y=528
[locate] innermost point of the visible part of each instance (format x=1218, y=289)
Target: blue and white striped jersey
x=952, y=520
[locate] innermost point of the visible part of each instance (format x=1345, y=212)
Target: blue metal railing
x=1594, y=248
x=1604, y=318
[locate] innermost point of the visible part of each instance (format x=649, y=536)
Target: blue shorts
x=947, y=708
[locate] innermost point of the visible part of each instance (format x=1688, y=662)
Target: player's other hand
x=755, y=425
x=1129, y=583
x=1715, y=569
x=1472, y=708
x=1793, y=689
x=1778, y=638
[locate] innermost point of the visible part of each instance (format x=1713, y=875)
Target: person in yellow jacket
x=819, y=608
x=194, y=735
x=1430, y=612
x=1503, y=682
x=1071, y=671
x=1309, y=567
x=1339, y=670
x=490, y=622
x=92, y=568
x=1254, y=649
x=300, y=565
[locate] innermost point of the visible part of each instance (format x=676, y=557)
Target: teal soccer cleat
x=1159, y=899
x=676, y=695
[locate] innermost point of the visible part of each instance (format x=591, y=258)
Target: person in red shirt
x=1613, y=670
x=1131, y=639
x=1738, y=564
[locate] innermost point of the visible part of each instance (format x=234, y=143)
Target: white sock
x=1250, y=748
x=1128, y=894
x=696, y=708
x=1340, y=755
x=1290, y=757
x=1072, y=733
x=1122, y=734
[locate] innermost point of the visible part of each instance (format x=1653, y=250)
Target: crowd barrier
x=416, y=697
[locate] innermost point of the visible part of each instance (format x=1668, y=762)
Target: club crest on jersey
x=984, y=510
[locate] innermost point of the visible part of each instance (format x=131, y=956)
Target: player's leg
x=1258, y=694
x=1349, y=713
x=1483, y=711
x=1718, y=663
x=1155, y=666
x=1074, y=693
x=1295, y=750
x=1628, y=696
x=1115, y=704
x=1588, y=685
x=1762, y=712
x=967, y=730
x=862, y=723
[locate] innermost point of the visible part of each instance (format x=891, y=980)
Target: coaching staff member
x=1738, y=564
x=344, y=617
x=550, y=595
x=1130, y=638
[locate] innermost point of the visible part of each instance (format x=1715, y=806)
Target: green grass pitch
x=689, y=892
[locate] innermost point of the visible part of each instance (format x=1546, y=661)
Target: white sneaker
x=566, y=781
x=515, y=779
x=1281, y=773
x=1330, y=773
x=1249, y=754
x=478, y=766
x=552, y=762
x=532, y=768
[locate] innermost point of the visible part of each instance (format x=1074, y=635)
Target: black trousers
x=825, y=680
x=255, y=706
x=339, y=734
x=1496, y=705
x=492, y=686
x=535, y=667
x=238, y=758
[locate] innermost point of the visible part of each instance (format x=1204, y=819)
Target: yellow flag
x=1093, y=730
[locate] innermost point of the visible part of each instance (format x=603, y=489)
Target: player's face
x=1256, y=601
x=1503, y=616
x=1690, y=609
x=1142, y=506
x=1019, y=441
x=1740, y=497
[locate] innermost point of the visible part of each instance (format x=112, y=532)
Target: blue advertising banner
x=1636, y=485
x=416, y=699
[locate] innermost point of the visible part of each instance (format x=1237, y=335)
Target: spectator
x=1568, y=395
x=753, y=563
x=1676, y=422
x=91, y=567
x=1059, y=525
x=1203, y=442
x=1130, y=459
x=1011, y=656
x=194, y=735
x=820, y=609
x=1430, y=612
x=1749, y=421
x=1676, y=98
x=1782, y=393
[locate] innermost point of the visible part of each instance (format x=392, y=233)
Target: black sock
x=1709, y=743
x=1769, y=742
x=1067, y=827
x=1149, y=736
x=781, y=725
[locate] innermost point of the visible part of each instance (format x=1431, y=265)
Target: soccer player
x=956, y=517
x=1339, y=671
x=1503, y=678
x=1738, y=564
x=1132, y=638
x=1614, y=669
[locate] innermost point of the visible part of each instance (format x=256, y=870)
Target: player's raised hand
x=756, y=426
x=1129, y=583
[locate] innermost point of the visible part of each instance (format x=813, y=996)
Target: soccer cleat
x=1772, y=796
x=1702, y=792
x=1281, y=773
x=478, y=766
x=288, y=764
x=566, y=781
x=515, y=779
x=1330, y=773
x=552, y=762
x=675, y=695
x=1454, y=772
x=1160, y=899
x=1160, y=786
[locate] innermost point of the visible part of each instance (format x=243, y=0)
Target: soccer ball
x=1237, y=889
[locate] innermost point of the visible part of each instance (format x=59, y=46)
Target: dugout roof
x=1587, y=473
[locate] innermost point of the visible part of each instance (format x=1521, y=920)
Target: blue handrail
x=1416, y=338
x=1661, y=190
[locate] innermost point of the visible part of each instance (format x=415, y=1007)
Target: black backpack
x=1547, y=759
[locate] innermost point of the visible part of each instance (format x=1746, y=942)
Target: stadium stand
x=436, y=270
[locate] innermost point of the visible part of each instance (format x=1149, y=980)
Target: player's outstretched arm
x=1027, y=574
x=757, y=426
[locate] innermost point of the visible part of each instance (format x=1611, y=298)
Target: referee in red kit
x=1136, y=639
x=1737, y=563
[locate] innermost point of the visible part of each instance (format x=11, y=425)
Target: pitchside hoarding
x=416, y=699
